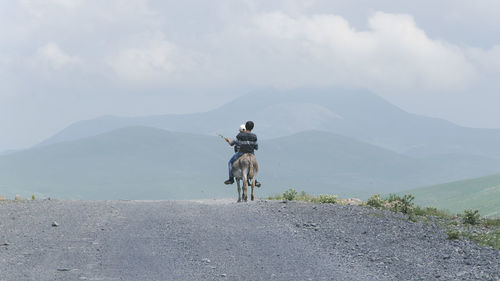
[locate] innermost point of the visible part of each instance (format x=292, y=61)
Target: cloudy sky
x=66, y=60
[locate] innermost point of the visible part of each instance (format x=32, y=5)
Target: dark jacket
x=247, y=142
x=236, y=145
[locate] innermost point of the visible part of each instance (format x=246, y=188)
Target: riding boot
x=257, y=184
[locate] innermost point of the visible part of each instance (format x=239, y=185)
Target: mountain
x=479, y=193
x=353, y=113
x=151, y=163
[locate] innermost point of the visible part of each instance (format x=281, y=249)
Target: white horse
x=245, y=168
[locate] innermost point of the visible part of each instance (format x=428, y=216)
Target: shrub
x=471, y=217
x=406, y=204
x=290, y=194
x=331, y=199
x=453, y=234
x=392, y=198
x=375, y=201
x=396, y=203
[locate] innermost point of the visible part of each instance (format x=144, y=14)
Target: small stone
x=63, y=269
x=205, y=260
x=223, y=275
x=55, y=224
x=4, y=244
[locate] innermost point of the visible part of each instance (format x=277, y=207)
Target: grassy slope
x=479, y=193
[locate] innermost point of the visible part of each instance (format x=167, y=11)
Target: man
x=247, y=142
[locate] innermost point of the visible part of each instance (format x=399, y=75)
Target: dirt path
x=196, y=240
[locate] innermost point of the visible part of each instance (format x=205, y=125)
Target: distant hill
x=150, y=163
x=352, y=113
x=479, y=193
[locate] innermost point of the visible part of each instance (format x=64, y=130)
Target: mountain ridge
x=352, y=113
x=151, y=163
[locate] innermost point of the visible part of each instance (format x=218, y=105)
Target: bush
x=471, y=217
x=375, y=201
x=290, y=194
x=331, y=199
x=396, y=203
x=453, y=234
x=406, y=204
x=392, y=198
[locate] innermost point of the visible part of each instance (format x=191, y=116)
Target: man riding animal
x=246, y=141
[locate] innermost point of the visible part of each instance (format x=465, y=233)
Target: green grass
x=292, y=195
x=482, y=194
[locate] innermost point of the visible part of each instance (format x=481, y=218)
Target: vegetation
x=453, y=234
x=328, y=199
x=469, y=225
x=375, y=201
x=478, y=193
x=471, y=217
x=291, y=195
x=394, y=203
x=491, y=239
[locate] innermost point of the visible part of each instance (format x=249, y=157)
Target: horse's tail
x=250, y=172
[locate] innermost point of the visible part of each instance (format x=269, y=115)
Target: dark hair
x=249, y=125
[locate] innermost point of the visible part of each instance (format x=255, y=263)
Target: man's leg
x=230, y=167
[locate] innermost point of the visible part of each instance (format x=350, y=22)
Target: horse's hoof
x=239, y=201
x=252, y=198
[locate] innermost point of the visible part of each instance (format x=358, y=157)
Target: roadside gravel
x=222, y=240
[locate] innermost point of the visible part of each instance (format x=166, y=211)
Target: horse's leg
x=245, y=188
x=239, y=190
x=253, y=186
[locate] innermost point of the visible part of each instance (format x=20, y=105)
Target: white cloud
x=392, y=55
x=158, y=61
x=52, y=56
x=39, y=8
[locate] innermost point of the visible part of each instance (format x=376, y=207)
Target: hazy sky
x=66, y=60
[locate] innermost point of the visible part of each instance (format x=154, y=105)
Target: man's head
x=242, y=128
x=249, y=125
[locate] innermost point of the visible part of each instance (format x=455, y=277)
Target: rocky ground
x=223, y=240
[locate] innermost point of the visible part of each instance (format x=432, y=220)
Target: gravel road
x=223, y=240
